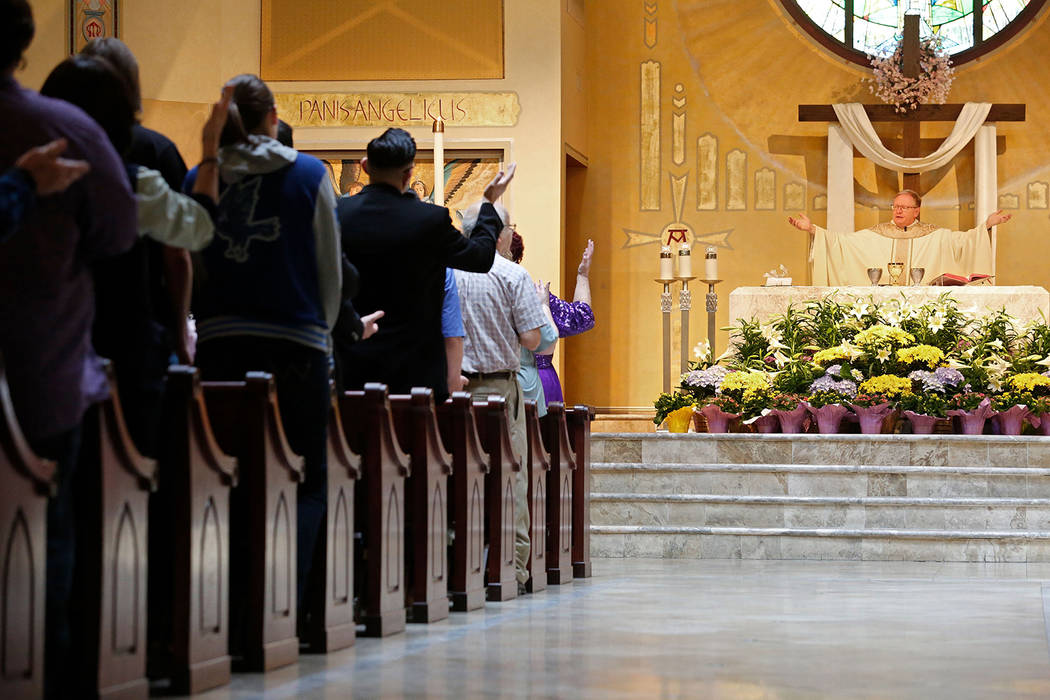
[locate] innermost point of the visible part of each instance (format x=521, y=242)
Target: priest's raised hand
x=801, y=222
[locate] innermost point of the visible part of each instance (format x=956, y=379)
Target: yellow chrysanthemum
x=826, y=358
x=742, y=381
x=926, y=354
x=1028, y=381
x=883, y=336
x=887, y=385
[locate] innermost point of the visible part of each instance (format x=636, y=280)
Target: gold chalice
x=896, y=271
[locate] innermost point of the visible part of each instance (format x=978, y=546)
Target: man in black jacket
x=401, y=247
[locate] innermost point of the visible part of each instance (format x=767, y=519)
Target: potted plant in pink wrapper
x=924, y=411
x=876, y=402
x=790, y=410
x=722, y=412
x=828, y=409
x=973, y=409
x=1021, y=402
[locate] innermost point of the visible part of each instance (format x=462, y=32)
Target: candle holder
x=685, y=304
x=666, y=306
x=712, y=307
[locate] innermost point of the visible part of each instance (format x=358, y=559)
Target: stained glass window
x=872, y=26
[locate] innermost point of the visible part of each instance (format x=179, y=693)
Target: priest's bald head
x=906, y=208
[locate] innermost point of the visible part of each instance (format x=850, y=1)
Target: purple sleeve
x=571, y=317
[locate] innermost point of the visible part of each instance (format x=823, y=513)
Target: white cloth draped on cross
x=855, y=122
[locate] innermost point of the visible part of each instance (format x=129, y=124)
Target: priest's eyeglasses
x=903, y=207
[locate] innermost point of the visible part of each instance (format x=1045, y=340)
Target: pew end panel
x=26, y=482
x=331, y=623
x=380, y=507
x=494, y=430
x=426, y=512
x=112, y=550
x=559, y=495
x=538, y=463
x=579, y=420
x=192, y=540
x=466, y=521
x=247, y=423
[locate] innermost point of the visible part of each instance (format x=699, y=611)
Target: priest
x=841, y=258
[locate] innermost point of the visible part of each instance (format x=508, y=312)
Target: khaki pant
x=510, y=390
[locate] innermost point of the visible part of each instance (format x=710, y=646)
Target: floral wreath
x=932, y=86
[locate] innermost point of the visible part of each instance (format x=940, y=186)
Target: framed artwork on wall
x=92, y=19
x=467, y=172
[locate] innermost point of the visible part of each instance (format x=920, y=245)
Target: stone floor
x=644, y=628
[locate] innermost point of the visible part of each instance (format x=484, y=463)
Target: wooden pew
x=494, y=429
x=247, y=423
x=196, y=478
x=331, y=623
x=110, y=583
x=466, y=497
x=426, y=506
x=26, y=481
x=579, y=420
x=380, y=509
x=539, y=465
x=559, y=495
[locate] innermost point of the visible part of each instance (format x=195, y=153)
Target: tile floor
x=644, y=628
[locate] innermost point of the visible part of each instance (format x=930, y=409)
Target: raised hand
x=801, y=222
x=996, y=218
x=216, y=120
x=498, y=186
x=585, y=262
x=543, y=290
x=51, y=173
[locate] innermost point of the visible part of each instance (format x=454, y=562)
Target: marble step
x=883, y=544
x=915, y=450
x=837, y=480
x=859, y=513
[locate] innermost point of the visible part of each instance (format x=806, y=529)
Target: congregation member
x=453, y=332
x=47, y=303
x=170, y=268
x=37, y=173
x=127, y=327
x=271, y=291
x=401, y=246
x=570, y=317
x=500, y=313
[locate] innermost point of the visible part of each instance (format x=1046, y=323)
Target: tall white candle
x=439, y=162
x=666, y=263
x=711, y=263
x=685, y=262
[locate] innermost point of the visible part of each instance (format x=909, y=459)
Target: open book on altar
x=950, y=280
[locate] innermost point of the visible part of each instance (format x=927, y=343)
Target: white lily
x=883, y=355
x=1045, y=362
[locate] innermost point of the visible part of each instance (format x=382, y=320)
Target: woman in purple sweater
x=571, y=318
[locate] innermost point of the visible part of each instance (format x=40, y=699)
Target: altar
x=1025, y=303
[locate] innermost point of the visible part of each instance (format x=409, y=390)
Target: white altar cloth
x=1025, y=303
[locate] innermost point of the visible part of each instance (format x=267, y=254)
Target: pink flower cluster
x=932, y=86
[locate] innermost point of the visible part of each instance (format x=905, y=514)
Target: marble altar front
x=1025, y=303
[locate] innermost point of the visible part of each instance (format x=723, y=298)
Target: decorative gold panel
x=398, y=108
x=382, y=39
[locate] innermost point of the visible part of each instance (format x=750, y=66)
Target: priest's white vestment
x=841, y=259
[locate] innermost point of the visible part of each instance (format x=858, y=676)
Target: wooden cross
x=911, y=121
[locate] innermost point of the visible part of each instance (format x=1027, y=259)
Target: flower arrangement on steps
x=843, y=360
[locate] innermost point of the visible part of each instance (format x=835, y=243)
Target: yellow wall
x=744, y=68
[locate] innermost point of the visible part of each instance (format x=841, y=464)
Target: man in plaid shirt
x=500, y=313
